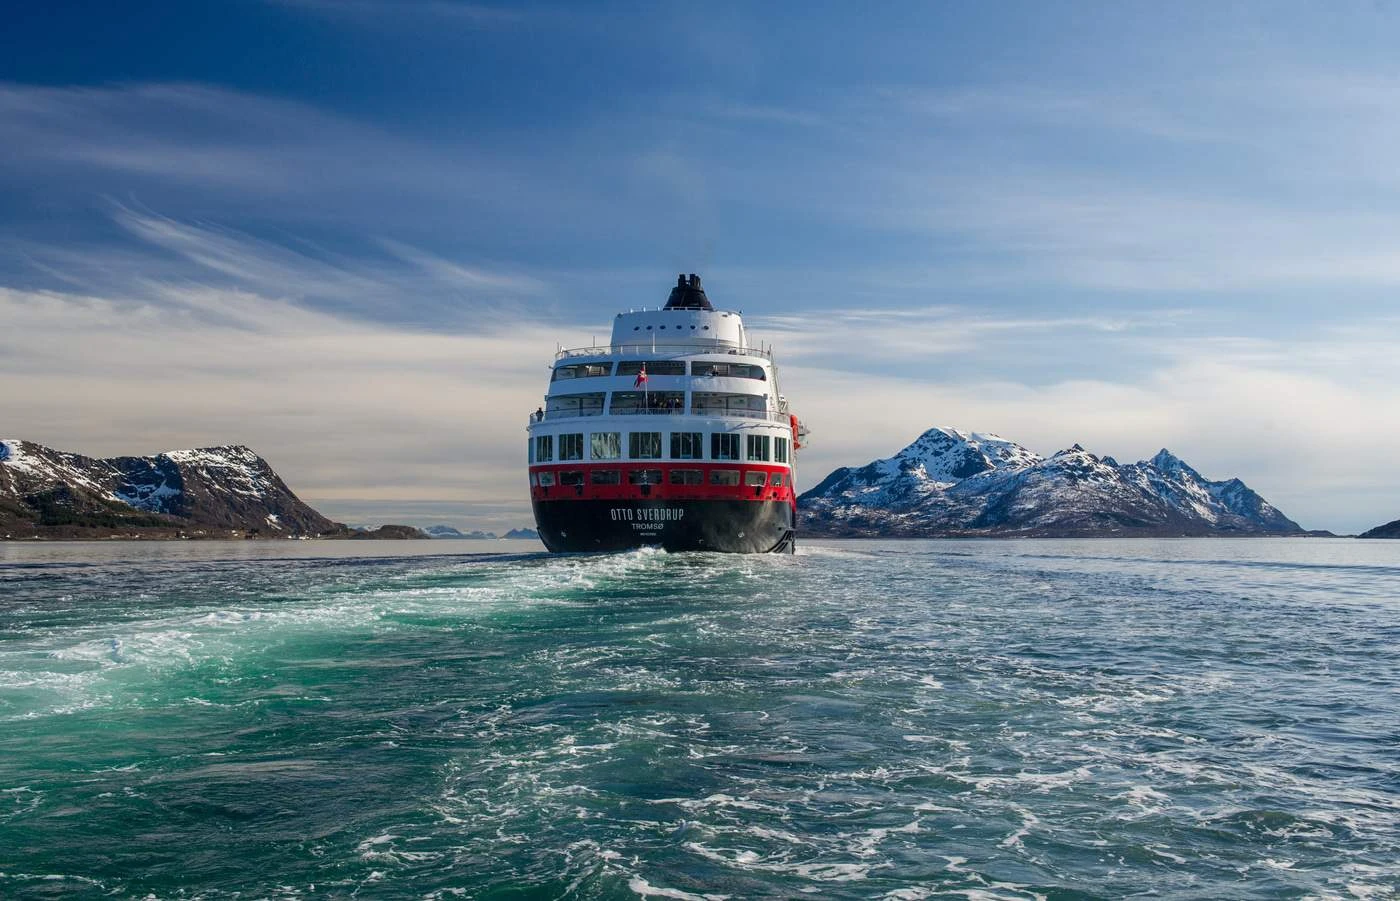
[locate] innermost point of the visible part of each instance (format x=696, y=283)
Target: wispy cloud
x=177, y=259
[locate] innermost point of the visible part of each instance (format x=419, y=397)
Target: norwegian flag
x=641, y=377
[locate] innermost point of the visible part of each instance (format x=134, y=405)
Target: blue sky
x=350, y=234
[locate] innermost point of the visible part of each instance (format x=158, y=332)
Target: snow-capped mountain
x=216, y=490
x=957, y=483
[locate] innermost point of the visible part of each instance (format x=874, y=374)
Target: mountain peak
x=1165, y=459
x=1168, y=463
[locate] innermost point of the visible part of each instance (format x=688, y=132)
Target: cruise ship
x=674, y=435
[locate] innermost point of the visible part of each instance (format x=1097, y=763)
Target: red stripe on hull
x=588, y=489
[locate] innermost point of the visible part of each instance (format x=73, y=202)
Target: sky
x=351, y=234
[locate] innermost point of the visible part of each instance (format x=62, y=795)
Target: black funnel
x=688, y=295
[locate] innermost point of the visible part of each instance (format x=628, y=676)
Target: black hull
x=741, y=527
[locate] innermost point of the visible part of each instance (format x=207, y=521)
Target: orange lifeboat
x=799, y=431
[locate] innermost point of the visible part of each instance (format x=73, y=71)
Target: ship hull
x=744, y=527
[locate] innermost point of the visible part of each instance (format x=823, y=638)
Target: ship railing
x=661, y=350
x=769, y=415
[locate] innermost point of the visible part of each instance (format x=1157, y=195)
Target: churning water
x=900, y=720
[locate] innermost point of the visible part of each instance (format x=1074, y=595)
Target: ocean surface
x=898, y=720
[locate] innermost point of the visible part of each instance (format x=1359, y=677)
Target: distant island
x=444, y=531
x=209, y=492
x=1389, y=530
x=949, y=483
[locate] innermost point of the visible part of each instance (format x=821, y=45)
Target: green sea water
x=898, y=720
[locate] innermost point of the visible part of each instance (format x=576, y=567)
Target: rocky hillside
x=956, y=483
x=1389, y=530
x=208, y=492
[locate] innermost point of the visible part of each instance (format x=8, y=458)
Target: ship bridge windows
x=653, y=367
x=709, y=403
x=544, y=448
x=724, y=446
x=687, y=445
x=636, y=403
x=571, y=447
x=605, y=445
x=565, y=405
x=729, y=370
x=581, y=371
x=757, y=447
x=644, y=445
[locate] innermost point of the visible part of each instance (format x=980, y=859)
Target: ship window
x=633, y=403
x=644, y=477
x=544, y=448
x=572, y=477
x=705, y=403
x=534, y=479
x=724, y=446
x=757, y=448
x=606, y=445
x=530, y=449
x=730, y=370
x=755, y=478
x=575, y=405
x=687, y=446
x=605, y=477
x=780, y=450
x=644, y=445
x=581, y=371
x=654, y=367
x=776, y=479
x=687, y=477
x=546, y=479
x=724, y=477
x=571, y=447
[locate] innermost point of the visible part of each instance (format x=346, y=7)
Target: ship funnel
x=688, y=295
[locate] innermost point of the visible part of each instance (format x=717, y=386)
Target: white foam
x=645, y=889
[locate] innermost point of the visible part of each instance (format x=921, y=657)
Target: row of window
x=648, y=446
x=705, y=403
x=659, y=367
x=728, y=477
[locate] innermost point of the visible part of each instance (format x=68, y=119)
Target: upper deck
x=697, y=361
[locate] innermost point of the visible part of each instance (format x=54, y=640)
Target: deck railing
x=770, y=415
x=663, y=350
